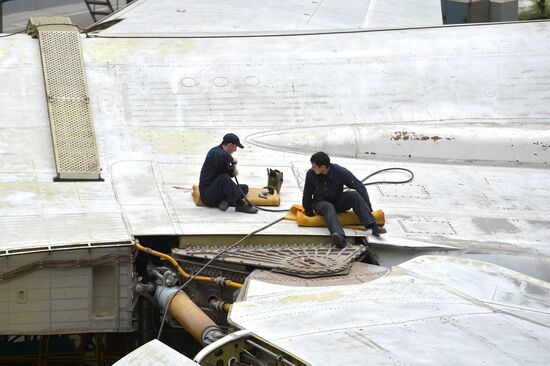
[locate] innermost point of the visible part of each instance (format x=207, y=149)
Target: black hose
x=362, y=181
x=388, y=181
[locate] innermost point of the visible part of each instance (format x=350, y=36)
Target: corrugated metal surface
x=68, y=300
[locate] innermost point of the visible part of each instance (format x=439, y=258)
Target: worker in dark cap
x=215, y=185
x=324, y=194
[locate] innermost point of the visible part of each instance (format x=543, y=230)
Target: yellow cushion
x=252, y=196
x=347, y=219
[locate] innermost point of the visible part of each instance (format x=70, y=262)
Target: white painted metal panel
x=413, y=316
x=37, y=213
x=213, y=16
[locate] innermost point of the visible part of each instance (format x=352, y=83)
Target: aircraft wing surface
x=159, y=104
x=432, y=309
x=214, y=16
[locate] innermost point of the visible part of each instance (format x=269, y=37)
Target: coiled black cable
x=388, y=181
x=362, y=181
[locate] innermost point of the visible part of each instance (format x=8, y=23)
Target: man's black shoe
x=377, y=230
x=338, y=240
x=246, y=209
x=223, y=205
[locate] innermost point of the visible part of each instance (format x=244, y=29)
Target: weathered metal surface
x=160, y=104
x=449, y=315
x=35, y=212
x=299, y=259
x=466, y=142
x=66, y=292
x=187, y=16
x=359, y=273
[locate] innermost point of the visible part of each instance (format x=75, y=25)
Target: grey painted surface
x=14, y=21
x=16, y=6
x=504, y=10
x=479, y=11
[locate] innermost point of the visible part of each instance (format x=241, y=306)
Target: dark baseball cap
x=231, y=138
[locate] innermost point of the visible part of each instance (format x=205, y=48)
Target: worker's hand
x=309, y=213
x=235, y=172
x=235, y=161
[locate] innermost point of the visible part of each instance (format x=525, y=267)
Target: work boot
x=377, y=230
x=246, y=208
x=338, y=240
x=223, y=205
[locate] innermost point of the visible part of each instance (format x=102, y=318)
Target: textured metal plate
x=359, y=273
x=304, y=260
x=71, y=123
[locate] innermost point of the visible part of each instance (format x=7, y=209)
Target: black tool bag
x=274, y=180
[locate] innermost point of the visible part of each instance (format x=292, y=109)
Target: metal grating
x=71, y=123
x=359, y=273
x=304, y=260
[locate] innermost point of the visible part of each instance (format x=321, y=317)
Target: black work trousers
x=349, y=199
x=223, y=188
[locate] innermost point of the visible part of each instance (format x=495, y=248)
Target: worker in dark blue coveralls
x=324, y=194
x=215, y=184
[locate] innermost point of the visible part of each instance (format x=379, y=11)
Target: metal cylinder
x=185, y=312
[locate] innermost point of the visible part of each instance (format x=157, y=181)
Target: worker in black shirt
x=215, y=184
x=324, y=193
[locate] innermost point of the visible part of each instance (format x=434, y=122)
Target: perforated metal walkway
x=71, y=123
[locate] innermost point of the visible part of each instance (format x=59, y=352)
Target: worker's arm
x=352, y=182
x=224, y=161
x=307, y=198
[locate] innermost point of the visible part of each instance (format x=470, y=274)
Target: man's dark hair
x=320, y=159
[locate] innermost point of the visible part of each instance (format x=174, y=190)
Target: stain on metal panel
x=406, y=135
x=491, y=225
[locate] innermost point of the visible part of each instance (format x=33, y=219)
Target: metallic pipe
x=189, y=315
x=268, y=352
x=180, y=270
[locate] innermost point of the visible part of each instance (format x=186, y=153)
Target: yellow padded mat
x=252, y=196
x=347, y=219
